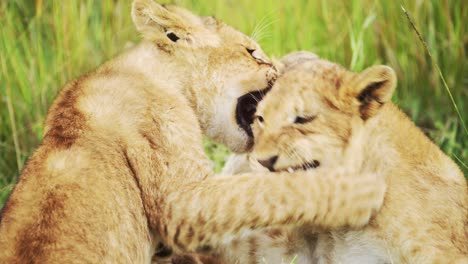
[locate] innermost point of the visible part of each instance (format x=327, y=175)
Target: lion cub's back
x=76, y=199
x=59, y=213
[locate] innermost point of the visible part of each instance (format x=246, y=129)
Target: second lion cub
x=308, y=121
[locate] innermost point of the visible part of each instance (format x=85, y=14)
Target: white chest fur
x=352, y=248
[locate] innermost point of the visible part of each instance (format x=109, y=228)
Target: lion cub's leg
x=218, y=207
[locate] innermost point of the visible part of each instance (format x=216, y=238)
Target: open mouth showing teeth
x=305, y=166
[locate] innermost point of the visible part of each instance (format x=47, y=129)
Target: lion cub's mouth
x=306, y=166
x=246, y=107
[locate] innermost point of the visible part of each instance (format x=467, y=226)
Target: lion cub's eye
x=303, y=120
x=257, y=56
x=259, y=119
x=253, y=55
x=250, y=51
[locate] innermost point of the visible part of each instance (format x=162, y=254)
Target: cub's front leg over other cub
x=253, y=201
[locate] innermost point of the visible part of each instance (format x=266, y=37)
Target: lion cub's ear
x=372, y=88
x=157, y=22
x=153, y=20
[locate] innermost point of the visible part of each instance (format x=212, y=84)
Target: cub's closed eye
x=303, y=120
x=250, y=51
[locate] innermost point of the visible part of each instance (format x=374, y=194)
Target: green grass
x=45, y=43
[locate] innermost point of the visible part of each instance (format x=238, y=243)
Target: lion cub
x=315, y=113
x=121, y=167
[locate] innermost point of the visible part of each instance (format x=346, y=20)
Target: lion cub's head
x=308, y=118
x=225, y=71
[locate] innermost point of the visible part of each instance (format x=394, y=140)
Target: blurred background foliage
x=45, y=43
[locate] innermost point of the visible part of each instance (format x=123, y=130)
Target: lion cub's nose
x=269, y=163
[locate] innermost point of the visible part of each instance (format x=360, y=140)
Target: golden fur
x=320, y=113
x=121, y=167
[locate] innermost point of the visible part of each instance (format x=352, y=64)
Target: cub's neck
x=393, y=141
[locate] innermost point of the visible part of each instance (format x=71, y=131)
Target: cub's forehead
x=313, y=75
x=321, y=70
x=302, y=84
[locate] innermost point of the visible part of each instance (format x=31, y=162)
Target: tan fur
x=121, y=167
x=353, y=127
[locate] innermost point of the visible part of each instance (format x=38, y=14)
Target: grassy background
x=45, y=43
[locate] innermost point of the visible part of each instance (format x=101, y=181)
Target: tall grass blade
x=421, y=39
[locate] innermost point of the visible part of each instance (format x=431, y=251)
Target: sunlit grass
x=43, y=44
